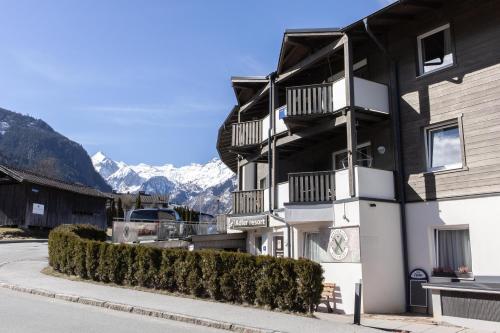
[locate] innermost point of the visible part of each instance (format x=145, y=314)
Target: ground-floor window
x=258, y=245
x=453, y=251
x=313, y=248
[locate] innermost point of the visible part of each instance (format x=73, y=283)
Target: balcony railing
x=309, y=100
x=318, y=186
x=326, y=98
x=248, y=202
x=247, y=133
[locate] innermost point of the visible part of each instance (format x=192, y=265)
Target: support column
x=351, y=115
x=271, y=158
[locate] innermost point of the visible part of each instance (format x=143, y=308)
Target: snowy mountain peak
x=207, y=185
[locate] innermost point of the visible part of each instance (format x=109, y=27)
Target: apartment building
x=372, y=150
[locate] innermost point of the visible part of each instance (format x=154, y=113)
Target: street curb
x=14, y=241
x=139, y=310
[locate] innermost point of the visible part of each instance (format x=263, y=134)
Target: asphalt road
x=27, y=313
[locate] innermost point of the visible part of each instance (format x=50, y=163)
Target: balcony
x=318, y=186
x=247, y=134
x=248, y=202
x=312, y=101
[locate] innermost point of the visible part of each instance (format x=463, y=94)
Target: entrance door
x=279, y=248
x=365, y=157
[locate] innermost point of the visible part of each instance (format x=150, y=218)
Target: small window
x=444, y=148
x=453, y=254
x=435, y=50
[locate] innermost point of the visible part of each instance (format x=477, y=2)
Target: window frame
x=342, y=151
x=458, y=122
x=435, y=245
x=420, y=62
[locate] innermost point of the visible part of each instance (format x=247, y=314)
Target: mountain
x=31, y=144
x=203, y=187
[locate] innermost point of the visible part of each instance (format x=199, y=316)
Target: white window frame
x=427, y=133
x=420, y=55
x=435, y=240
x=338, y=152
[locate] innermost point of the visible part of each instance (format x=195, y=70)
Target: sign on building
x=38, y=209
x=246, y=222
x=343, y=245
x=418, y=295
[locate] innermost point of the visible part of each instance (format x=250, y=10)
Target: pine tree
x=138, y=203
x=119, y=212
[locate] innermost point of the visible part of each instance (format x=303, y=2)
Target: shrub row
x=287, y=284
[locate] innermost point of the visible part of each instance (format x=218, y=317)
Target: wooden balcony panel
x=247, y=133
x=318, y=186
x=248, y=202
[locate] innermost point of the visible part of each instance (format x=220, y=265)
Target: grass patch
x=13, y=233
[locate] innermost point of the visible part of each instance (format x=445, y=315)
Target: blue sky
x=146, y=81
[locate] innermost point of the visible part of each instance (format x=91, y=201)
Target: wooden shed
x=29, y=199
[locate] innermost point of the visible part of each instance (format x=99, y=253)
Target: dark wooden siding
x=471, y=88
x=60, y=207
x=12, y=204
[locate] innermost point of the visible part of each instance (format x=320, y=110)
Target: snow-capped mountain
x=206, y=187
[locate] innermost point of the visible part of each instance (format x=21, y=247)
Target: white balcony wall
x=248, y=176
x=282, y=194
x=266, y=123
x=280, y=124
x=370, y=183
x=266, y=199
x=367, y=94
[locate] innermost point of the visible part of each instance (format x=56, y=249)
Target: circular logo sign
x=338, y=244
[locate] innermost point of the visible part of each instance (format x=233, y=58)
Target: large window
x=435, y=50
x=453, y=252
x=313, y=248
x=444, y=147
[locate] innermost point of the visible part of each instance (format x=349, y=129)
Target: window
x=435, y=50
x=364, y=157
x=258, y=245
x=453, y=251
x=313, y=249
x=444, y=147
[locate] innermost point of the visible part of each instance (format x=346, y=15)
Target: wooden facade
x=468, y=91
x=29, y=200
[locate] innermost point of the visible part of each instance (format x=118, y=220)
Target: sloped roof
x=25, y=176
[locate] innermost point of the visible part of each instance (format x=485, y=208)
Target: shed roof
x=25, y=176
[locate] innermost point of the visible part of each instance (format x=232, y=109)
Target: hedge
x=283, y=283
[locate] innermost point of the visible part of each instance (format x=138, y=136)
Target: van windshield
x=154, y=215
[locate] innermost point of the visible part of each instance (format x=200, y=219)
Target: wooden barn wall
x=12, y=204
x=62, y=207
x=471, y=88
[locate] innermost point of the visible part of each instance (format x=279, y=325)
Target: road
x=28, y=313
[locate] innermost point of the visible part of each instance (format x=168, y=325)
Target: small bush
x=287, y=284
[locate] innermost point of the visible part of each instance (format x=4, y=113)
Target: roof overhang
x=224, y=137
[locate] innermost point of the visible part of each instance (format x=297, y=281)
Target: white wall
x=282, y=194
x=367, y=94
x=382, y=257
x=480, y=214
x=370, y=183
x=248, y=176
x=309, y=213
x=344, y=275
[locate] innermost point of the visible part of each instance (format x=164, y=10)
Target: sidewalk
x=21, y=263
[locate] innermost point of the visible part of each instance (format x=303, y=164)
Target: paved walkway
x=21, y=263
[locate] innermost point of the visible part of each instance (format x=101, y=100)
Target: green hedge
x=287, y=284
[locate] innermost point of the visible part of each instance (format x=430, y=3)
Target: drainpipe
x=396, y=124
